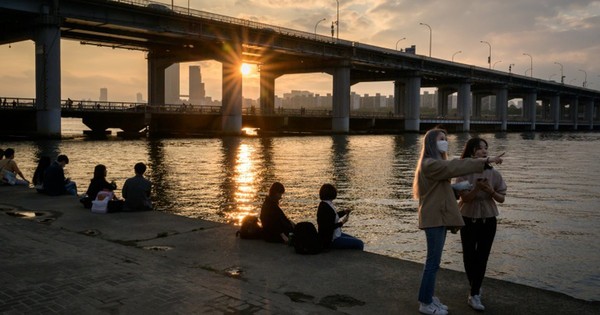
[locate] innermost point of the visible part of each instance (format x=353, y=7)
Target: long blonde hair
x=430, y=150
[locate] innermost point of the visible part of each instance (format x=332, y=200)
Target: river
x=547, y=230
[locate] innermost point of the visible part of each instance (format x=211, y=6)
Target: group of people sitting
x=49, y=179
x=277, y=227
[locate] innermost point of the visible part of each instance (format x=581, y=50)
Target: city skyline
x=519, y=35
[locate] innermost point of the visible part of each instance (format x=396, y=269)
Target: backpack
x=306, y=239
x=250, y=228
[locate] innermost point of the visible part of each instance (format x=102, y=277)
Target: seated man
x=276, y=226
x=55, y=183
x=136, y=191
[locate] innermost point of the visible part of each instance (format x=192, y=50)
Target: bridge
x=140, y=119
x=174, y=34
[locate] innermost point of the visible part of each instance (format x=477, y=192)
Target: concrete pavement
x=57, y=257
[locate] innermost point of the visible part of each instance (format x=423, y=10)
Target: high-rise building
x=139, y=98
x=197, y=91
x=103, y=94
x=172, y=84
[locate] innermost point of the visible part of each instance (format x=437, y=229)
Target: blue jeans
x=71, y=188
x=346, y=241
x=436, y=237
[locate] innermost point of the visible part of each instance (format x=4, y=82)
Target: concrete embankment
x=57, y=257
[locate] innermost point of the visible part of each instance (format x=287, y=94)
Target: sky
x=551, y=31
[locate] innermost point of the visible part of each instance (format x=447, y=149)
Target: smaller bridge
x=17, y=117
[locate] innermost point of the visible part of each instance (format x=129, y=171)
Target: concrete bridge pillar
x=341, y=100
x=574, y=112
x=464, y=102
x=502, y=107
x=399, y=97
x=530, y=107
x=589, y=112
x=267, y=92
x=555, y=110
x=544, y=112
x=231, y=107
x=442, y=100
x=412, y=111
x=156, y=78
x=47, y=75
x=476, y=100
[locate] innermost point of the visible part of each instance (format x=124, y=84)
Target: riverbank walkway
x=57, y=257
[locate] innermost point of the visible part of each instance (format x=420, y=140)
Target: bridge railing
x=228, y=19
x=88, y=105
x=17, y=103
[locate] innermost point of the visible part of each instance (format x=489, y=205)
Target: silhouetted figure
x=55, y=183
x=330, y=222
x=97, y=183
x=38, y=175
x=136, y=191
x=9, y=169
x=276, y=225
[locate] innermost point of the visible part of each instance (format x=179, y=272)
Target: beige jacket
x=437, y=202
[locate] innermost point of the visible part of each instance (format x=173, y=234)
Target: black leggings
x=477, y=237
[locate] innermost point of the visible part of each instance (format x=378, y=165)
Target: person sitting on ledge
x=276, y=226
x=9, y=169
x=136, y=191
x=38, y=175
x=98, y=183
x=55, y=183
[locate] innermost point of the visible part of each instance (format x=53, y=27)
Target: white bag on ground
x=100, y=204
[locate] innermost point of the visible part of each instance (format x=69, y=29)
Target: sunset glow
x=246, y=69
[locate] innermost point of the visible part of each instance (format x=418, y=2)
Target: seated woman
x=276, y=226
x=97, y=184
x=9, y=169
x=330, y=222
x=38, y=175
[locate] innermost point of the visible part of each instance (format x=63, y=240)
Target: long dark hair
x=38, y=175
x=100, y=171
x=471, y=146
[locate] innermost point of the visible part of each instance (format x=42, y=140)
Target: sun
x=246, y=69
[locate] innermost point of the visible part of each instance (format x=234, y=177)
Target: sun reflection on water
x=244, y=178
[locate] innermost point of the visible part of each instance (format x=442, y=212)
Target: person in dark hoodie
x=276, y=225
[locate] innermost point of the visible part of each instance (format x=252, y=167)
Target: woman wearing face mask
x=479, y=211
x=438, y=210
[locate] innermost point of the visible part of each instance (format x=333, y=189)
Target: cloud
x=564, y=31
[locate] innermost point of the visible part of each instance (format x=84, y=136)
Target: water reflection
x=340, y=161
x=240, y=181
x=158, y=173
x=49, y=148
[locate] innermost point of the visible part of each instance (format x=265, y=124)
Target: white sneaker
x=431, y=309
x=438, y=303
x=475, y=302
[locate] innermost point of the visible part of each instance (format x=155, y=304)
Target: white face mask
x=442, y=146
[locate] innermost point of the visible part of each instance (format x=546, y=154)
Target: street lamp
x=454, y=54
x=337, y=19
x=585, y=79
x=490, y=55
x=429, y=27
x=510, y=66
x=494, y=65
x=562, y=77
x=531, y=63
x=401, y=39
x=321, y=20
